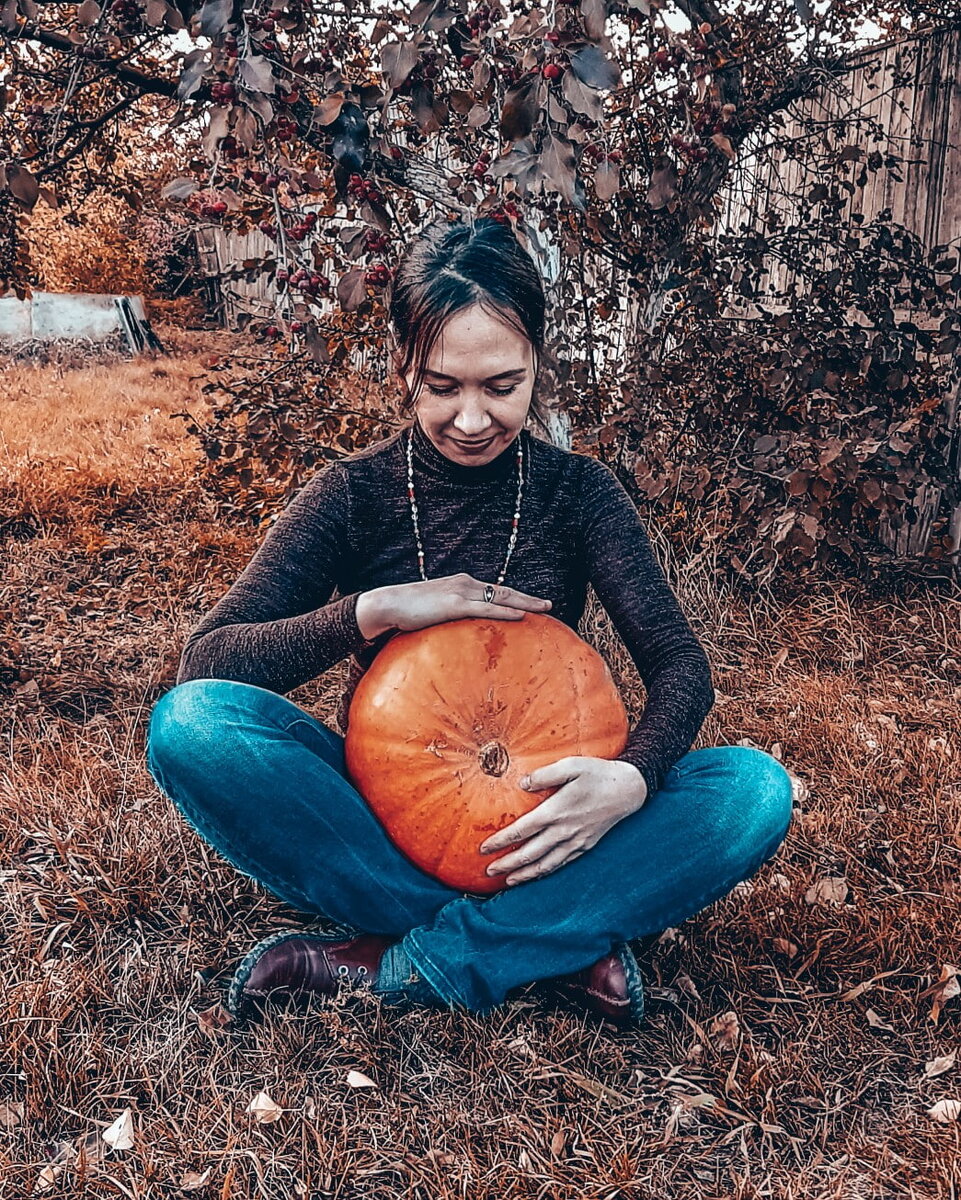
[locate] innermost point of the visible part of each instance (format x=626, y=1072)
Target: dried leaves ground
x=803, y=1031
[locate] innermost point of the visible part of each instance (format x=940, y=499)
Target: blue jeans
x=265, y=784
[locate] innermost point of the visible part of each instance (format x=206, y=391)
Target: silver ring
x=489, y=593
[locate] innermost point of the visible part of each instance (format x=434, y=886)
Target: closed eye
x=449, y=391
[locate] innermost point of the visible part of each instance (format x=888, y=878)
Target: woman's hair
x=449, y=267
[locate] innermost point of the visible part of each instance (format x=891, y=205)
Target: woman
x=462, y=513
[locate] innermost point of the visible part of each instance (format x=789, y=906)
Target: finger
x=524, y=827
x=506, y=597
x=554, y=774
x=544, y=866
x=527, y=854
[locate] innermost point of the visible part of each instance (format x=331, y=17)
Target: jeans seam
x=444, y=989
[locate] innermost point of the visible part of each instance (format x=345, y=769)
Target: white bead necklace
x=413, y=506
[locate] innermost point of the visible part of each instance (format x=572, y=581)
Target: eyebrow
x=499, y=375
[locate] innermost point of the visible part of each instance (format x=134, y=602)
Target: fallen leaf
x=11, y=1113
x=264, y=1110
x=63, y=1153
x=944, y=990
x=212, y=1020
x=828, y=890
x=558, y=1142
x=875, y=1021
x=120, y=1134
x=358, y=1079
x=726, y=1030
x=938, y=1066
x=945, y=1110
x=686, y=984
x=192, y=1180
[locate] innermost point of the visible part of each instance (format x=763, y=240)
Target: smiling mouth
x=471, y=445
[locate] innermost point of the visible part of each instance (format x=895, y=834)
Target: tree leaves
x=594, y=13
x=88, y=12
x=397, y=60
x=352, y=289
x=256, y=73
x=593, y=67
x=23, y=186
x=179, y=189
x=663, y=186
x=214, y=17
x=581, y=98
x=328, y=110
x=607, y=180
x=522, y=106
x=557, y=164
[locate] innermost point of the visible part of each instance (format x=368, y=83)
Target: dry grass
x=122, y=927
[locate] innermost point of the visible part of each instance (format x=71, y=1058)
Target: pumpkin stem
x=494, y=759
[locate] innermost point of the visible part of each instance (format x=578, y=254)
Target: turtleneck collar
x=428, y=459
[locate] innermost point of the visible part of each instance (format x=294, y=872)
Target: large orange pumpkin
x=448, y=719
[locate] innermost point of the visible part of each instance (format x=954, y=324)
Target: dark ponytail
x=450, y=266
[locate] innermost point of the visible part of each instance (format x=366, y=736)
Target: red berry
x=553, y=71
x=467, y=60
x=296, y=326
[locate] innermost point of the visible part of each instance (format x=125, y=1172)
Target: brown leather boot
x=613, y=987
x=297, y=964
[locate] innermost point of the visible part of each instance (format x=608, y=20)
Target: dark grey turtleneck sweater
x=349, y=529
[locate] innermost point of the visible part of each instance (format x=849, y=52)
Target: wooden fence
x=910, y=90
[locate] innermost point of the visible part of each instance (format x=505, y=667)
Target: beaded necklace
x=413, y=506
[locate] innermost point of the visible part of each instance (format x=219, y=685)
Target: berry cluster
x=127, y=13
x=284, y=127
x=378, y=274
x=671, y=56
x=479, y=22
x=481, y=167
x=425, y=71
x=270, y=180
x=308, y=281
x=229, y=45
x=375, y=241
x=364, y=189
x=215, y=209
x=595, y=151
x=223, y=92
x=714, y=117
x=692, y=151
x=299, y=231
x=264, y=24
x=504, y=212
x=231, y=148
x=266, y=179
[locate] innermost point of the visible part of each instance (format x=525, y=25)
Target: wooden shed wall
x=911, y=88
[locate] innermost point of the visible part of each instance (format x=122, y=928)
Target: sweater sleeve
x=635, y=592
x=274, y=627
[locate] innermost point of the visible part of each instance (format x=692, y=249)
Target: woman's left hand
x=592, y=795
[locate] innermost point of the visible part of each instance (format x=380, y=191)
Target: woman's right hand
x=407, y=606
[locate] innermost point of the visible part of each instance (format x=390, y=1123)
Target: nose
x=473, y=423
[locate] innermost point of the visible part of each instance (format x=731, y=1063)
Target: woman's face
x=477, y=387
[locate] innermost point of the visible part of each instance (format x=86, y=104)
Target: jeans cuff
x=399, y=979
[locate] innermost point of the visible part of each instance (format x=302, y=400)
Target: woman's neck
x=434, y=463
